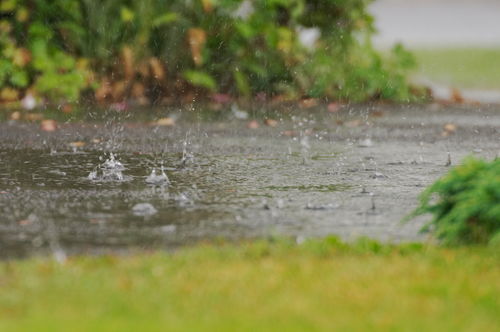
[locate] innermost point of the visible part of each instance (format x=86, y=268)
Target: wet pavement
x=356, y=172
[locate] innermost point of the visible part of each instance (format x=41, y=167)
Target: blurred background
x=456, y=42
x=62, y=52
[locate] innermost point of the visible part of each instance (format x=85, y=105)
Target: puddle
x=162, y=189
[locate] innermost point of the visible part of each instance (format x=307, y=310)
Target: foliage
x=467, y=207
x=33, y=54
x=153, y=49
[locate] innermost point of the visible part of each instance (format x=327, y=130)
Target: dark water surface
x=306, y=177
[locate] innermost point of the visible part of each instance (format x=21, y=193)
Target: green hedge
x=465, y=203
x=154, y=49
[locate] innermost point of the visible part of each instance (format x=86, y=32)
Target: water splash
x=158, y=179
x=144, y=210
x=110, y=170
x=187, y=156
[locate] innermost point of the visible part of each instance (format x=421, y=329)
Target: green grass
x=318, y=285
x=473, y=68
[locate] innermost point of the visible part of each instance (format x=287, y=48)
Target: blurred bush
x=155, y=50
x=465, y=203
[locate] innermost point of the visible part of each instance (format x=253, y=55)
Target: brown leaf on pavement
x=167, y=122
x=308, y=103
x=253, y=124
x=15, y=115
x=449, y=129
x=77, y=144
x=67, y=108
x=456, y=96
x=48, y=125
x=289, y=133
x=333, y=107
x=271, y=122
x=353, y=123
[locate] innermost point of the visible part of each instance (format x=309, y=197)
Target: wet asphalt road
x=313, y=174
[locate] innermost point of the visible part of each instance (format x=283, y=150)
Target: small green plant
x=465, y=203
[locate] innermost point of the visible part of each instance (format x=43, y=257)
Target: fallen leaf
x=167, y=122
x=333, y=107
x=48, y=125
x=289, y=133
x=278, y=99
x=67, y=108
x=377, y=114
x=25, y=222
x=77, y=144
x=253, y=124
x=456, y=96
x=15, y=115
x=308, y=103
x=270, y=122
x=353, y=123
x=450, y=128
x=33, y=116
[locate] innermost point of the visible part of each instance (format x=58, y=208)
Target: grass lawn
x=261, y=286
x=472, y=68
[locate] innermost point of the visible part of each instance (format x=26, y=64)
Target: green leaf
x=19, y=78
x=126, y=14
x=201, y=79
x=165, y=19
x=241, y=83
x=7, y=5
x=5, y=69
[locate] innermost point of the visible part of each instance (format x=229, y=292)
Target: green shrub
x=238, y=47
x=34, y=53
x=465, y=203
